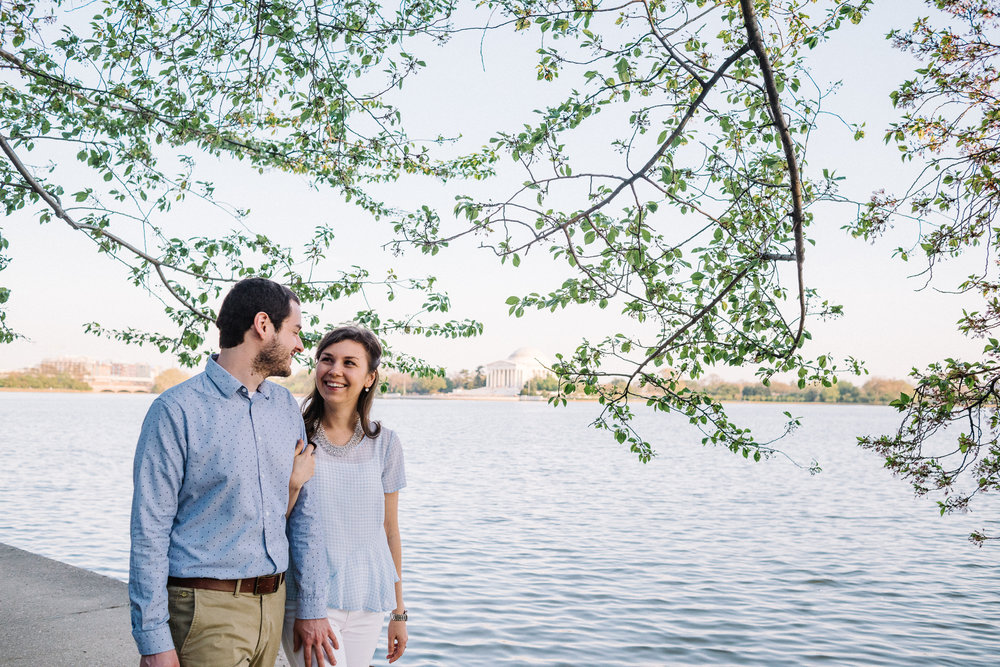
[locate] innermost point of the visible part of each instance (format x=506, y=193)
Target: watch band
x=398, y=617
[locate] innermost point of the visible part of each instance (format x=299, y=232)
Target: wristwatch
x=398, y=617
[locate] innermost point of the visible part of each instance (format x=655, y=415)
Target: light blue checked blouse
x=350, y=492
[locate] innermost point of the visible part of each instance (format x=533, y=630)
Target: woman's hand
x=303, y=467
x=397, y=629
x=397, y=640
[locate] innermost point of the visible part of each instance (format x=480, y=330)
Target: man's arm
x=157, y=473
x=308, y=551
x=312, y=631
x=308, y=562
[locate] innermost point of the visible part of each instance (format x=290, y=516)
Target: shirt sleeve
x=393, y=473
x=157, y=474
x=308, y=553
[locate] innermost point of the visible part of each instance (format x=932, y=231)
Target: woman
x=358, y=475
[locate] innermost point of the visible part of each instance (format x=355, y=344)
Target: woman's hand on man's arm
x=302, y=470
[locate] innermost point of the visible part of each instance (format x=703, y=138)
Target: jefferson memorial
x=509, y=375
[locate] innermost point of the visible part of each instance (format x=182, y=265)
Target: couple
x=222, y=511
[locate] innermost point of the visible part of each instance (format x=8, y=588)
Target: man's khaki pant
x=220, y=629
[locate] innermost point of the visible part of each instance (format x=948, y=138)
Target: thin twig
x=61, y=213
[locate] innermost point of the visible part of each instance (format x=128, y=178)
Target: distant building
x=110, y=376
x=509, y=375
x=78, y=367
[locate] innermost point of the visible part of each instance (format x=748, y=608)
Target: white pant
x=357, y=636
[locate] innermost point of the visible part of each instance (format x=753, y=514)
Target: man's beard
x=273, y=360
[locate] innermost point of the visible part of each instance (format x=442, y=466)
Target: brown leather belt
x=263, y=585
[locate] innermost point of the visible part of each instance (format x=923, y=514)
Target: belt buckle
x=270, y=581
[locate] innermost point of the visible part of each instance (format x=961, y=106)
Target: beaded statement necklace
x=339, y=450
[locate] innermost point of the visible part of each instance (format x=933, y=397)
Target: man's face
x=275, y=358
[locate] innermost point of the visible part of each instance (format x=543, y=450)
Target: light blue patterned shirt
x=350, y=490
x=210, y=490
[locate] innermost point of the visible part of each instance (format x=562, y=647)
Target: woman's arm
x=302, y=469
x=397, y=629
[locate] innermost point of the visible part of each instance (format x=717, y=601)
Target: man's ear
x=262, y=325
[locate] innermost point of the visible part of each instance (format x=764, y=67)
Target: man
x=211, y=472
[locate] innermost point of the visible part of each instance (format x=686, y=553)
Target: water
x=530, y=539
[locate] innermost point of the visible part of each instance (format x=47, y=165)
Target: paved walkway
x=56, y=614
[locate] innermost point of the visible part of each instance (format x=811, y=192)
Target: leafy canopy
x=669, y=182
x=948, y=444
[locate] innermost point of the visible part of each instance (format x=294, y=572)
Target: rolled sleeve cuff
x=310, y=607
x=157, y=640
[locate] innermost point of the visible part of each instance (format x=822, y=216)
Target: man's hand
x=165, y=659
x=316, y=637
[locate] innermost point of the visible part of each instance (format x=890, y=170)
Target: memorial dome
x=527, y=354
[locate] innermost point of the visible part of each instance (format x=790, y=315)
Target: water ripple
x=532, y=540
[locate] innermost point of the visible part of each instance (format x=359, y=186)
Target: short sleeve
x=393, y=474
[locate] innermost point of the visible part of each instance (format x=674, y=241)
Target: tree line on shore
x=875, y=391
x=34, y=379
x=878, y=391
x=37, y=380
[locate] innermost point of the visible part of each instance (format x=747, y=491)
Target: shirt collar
x=265, y=389
x=228, y=384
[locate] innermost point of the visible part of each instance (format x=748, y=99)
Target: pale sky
x=58, y=282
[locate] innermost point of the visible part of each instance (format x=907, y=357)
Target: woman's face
x=342, y=372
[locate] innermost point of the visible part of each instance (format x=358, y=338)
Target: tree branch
x=795, y=182
x=61, y=213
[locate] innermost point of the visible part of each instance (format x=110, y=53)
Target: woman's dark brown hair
x=314, y=408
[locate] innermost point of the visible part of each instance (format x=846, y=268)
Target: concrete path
x=56, y=614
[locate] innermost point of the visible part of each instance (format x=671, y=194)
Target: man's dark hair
x=247, y=298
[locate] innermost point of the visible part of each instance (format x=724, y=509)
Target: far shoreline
x=438, y=397
x=55, y=390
